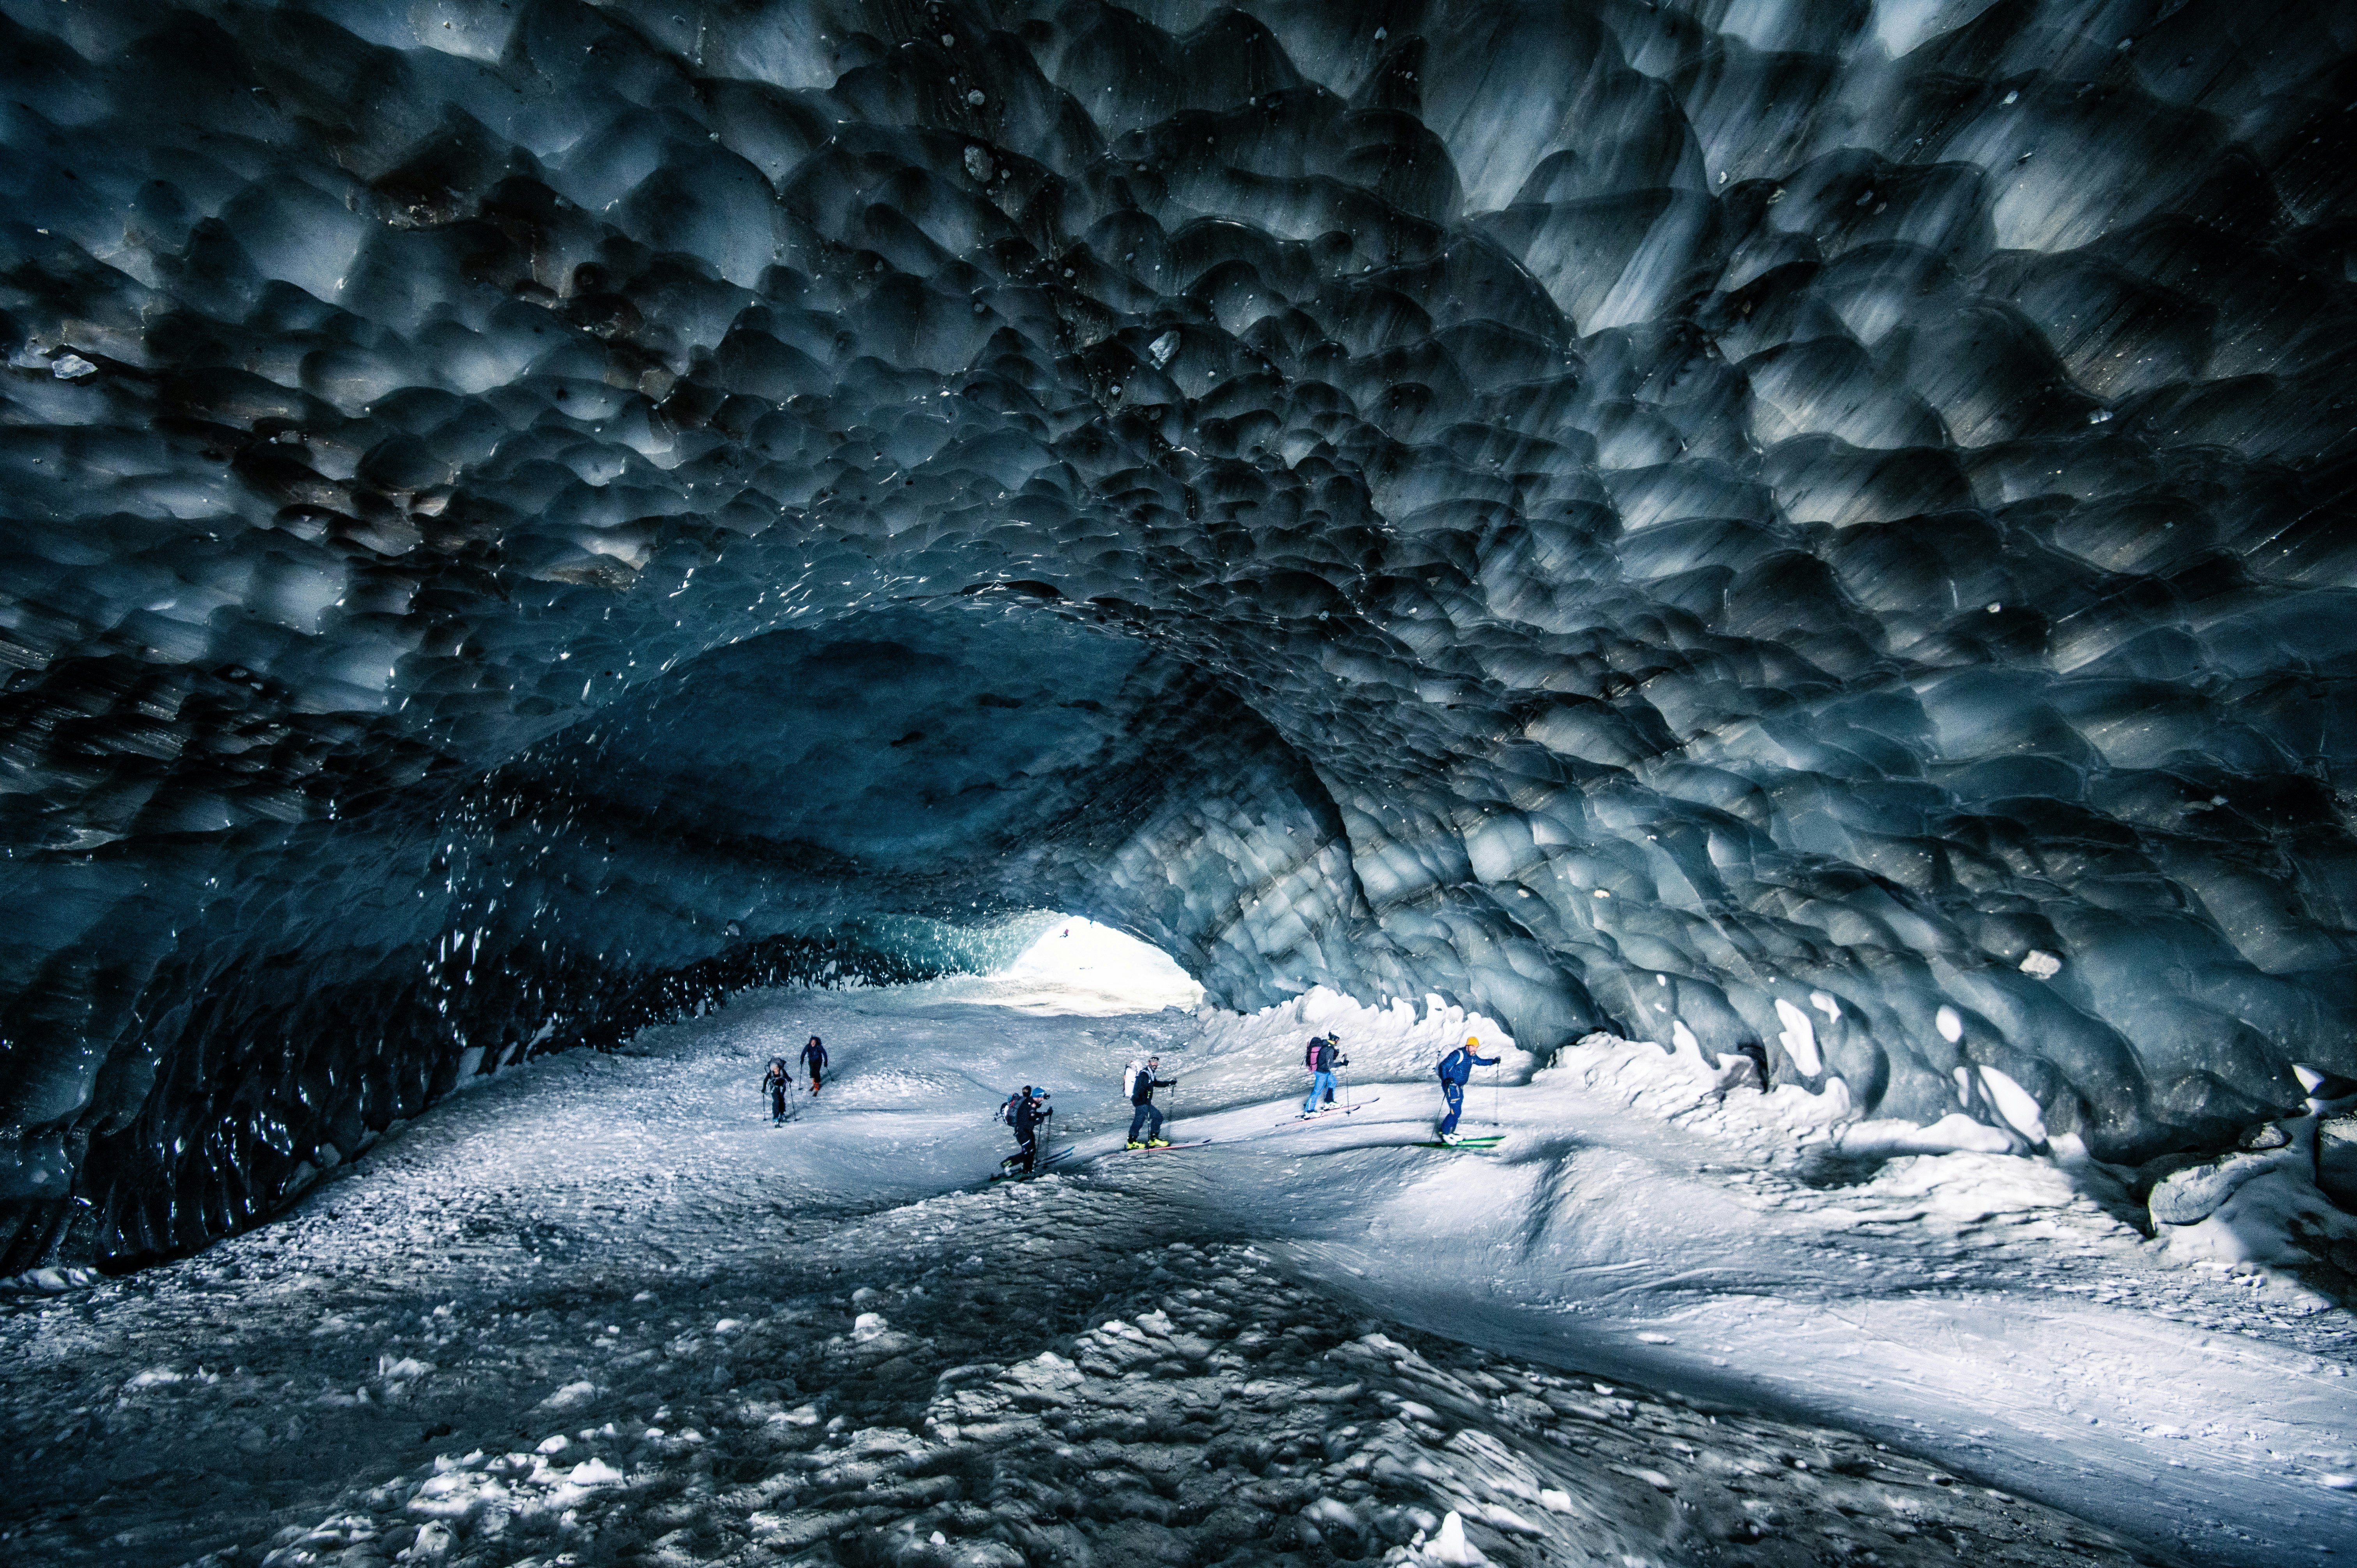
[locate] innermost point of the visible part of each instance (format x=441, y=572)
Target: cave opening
x=1077, y=962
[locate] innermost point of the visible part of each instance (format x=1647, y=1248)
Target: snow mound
x=2258, y=1207
x=1720, y=1095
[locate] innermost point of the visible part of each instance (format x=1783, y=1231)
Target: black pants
x=1026, y=1146
x=776, y=1102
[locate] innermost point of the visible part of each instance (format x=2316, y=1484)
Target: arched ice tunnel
x=523, y=515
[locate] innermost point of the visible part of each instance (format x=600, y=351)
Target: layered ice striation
x=1814, y=527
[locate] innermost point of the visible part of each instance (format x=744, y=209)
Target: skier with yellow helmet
x=1455, y=1068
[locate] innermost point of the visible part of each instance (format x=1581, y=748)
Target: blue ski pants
x=1455, y=1094
x=1144, y=1114
x=1320, y=1083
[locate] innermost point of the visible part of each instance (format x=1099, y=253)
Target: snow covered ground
x=600, y=1310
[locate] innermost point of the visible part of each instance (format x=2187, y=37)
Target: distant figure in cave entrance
x=814, y=1058
x=777, y=1080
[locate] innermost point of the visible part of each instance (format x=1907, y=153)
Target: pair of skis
x=1324, y=1111
x=1478, y=1143
x=1010, y=1170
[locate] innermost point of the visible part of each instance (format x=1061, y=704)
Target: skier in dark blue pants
x=1454, y=1069
x=1027, y=1114
x=777, y=1080
x=1141, y=1085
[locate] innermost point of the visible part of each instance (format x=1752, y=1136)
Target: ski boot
x=1157, y=1143
x=1133, y=1144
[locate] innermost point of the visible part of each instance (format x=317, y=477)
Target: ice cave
x=1781, y=572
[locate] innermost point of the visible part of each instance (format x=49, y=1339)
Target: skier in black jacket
x=1141, y=1095
x=1322, y=1057
x=1028, y=1114
x=776, y=1080
x=814, y=1058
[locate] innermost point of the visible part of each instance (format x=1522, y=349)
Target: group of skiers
x=779, y=1080
x=1027, y=1110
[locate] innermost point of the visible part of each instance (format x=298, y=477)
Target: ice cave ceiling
x=520, y=516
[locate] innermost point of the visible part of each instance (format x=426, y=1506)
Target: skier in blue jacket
x=1455, y=1068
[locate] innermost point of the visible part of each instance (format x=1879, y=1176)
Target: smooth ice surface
x=602, y=1308
x=520, y=518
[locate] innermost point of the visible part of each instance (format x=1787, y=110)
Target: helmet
x=1472, y=1039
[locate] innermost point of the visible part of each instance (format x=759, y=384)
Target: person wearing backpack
x=814, y=1058
x=1323, y=1055
x=1027, y=1113
x=1309, y=1061
x=1455, y=1068
x=776, y=1081
x=1141, y=1085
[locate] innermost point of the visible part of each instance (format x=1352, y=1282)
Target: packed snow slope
x=523, y=516
x=600, y=1310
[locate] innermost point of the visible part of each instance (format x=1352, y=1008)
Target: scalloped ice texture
x=523, y=518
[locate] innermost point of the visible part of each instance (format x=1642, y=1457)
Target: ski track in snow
x=600, y=1310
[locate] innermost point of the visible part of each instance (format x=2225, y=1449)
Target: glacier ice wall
x=1751, y=519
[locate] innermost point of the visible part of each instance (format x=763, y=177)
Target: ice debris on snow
x=2281, y=1201
x=1449, y=1545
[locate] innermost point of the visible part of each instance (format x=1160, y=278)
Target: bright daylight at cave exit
x=1088, y=783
